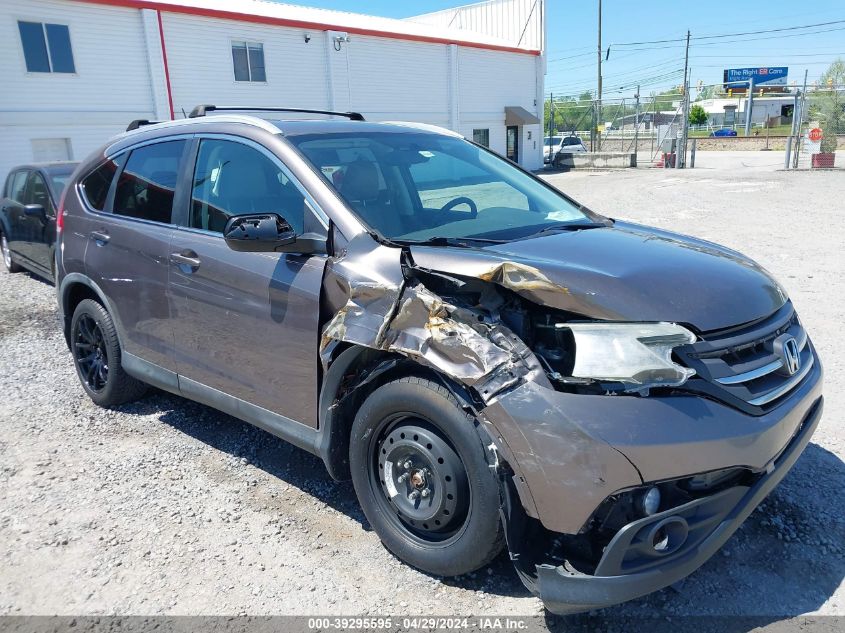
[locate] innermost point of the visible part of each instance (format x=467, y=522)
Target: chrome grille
x=745, y=364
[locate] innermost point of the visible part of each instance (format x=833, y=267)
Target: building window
x=47, y=149
x=481, y=136
x=46, y=47
x=248, y=58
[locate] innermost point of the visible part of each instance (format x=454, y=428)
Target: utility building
x=75, y=72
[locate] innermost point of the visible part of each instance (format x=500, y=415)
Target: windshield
x=552, y=140
x=571, y=140
x=59, y=181
x=415, y=187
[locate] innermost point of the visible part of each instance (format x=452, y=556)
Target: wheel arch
x=75, y=288
x=353, y=374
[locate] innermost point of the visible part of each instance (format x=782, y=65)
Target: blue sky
x=572, y=38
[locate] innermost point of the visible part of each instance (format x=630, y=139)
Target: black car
x=28, y=216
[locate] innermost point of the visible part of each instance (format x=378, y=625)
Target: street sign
x=815, y=135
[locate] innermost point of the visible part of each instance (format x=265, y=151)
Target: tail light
x=60, y=214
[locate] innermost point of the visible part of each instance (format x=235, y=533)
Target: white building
x=763, y=108
x=75, y=72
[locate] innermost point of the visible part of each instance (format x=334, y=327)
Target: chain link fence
x=643, y=126
x=818, y=135
x=808, y=126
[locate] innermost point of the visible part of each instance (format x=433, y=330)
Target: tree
x=829, y=102
x=697, y=115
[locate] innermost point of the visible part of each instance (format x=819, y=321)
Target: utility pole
x=797, y=147
x=551, y=125
x=637, y=122
x=598, y=102
x=681, y=155
x=749, y=106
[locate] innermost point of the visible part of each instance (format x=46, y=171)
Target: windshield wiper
x=440, y=240
x=569, y=226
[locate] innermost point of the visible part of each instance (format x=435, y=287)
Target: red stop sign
x=815, y=134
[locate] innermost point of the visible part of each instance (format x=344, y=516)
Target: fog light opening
x=660, y=540
x=667, y=536
x=650, y=501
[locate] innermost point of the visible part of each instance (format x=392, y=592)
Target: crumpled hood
x=625, y=272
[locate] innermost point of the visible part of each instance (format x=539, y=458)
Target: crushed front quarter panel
x=374, y=306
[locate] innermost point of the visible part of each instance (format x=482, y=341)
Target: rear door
x=245, y=324
x=129, y=244
x=13, y=210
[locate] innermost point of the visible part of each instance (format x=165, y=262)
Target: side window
x=95, y=186
x=36, y=191
x=232, y=178
x=17, y=184
x=147, y=183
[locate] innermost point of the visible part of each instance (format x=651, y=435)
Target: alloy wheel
x=89, y=350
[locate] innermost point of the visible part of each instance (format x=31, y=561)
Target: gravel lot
x=166, y=506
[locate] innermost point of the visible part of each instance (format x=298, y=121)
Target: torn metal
x=375, y=307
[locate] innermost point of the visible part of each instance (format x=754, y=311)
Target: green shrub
x=828, y=143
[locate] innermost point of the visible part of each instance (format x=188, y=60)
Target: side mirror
x=35, y=211
x=268, y=233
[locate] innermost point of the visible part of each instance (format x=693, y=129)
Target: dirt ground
x=168, y=507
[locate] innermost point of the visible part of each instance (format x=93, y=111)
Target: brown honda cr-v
x=490, y=362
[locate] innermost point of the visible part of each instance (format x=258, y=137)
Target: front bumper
x=710, y=521
x=570, y=452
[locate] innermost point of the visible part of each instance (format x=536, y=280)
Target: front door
x=40, y=230
x=245, y=324
x=512, y=135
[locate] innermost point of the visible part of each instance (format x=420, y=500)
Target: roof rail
x=140, y=123
x=202, y=110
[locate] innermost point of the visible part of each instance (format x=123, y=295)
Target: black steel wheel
x=422, y=479
x=421, y=474
x=96, y=356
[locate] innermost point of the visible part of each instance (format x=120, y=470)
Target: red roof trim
x=317, y=26
x=166, y=66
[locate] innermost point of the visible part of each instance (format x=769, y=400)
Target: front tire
x=6, y=253
x=96, y=357
x=419, y=470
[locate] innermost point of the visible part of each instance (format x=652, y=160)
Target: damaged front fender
x=375, y=306
x=376, y=298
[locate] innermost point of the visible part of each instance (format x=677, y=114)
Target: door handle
x=186, y=258
x=100, y=237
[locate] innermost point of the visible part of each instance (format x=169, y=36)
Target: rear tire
x=419, y=470
x=8, y=262
x=96, y=357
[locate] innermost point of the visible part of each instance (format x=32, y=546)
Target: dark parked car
x=488, y=361
x=725, y=131
x=28, y=216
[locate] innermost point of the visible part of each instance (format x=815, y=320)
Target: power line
x=786, y=28
x=721, y=35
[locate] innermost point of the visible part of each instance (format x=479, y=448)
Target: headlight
x=638, y=355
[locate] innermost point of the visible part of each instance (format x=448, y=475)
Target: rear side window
x=146, y=185
x=95, y=186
